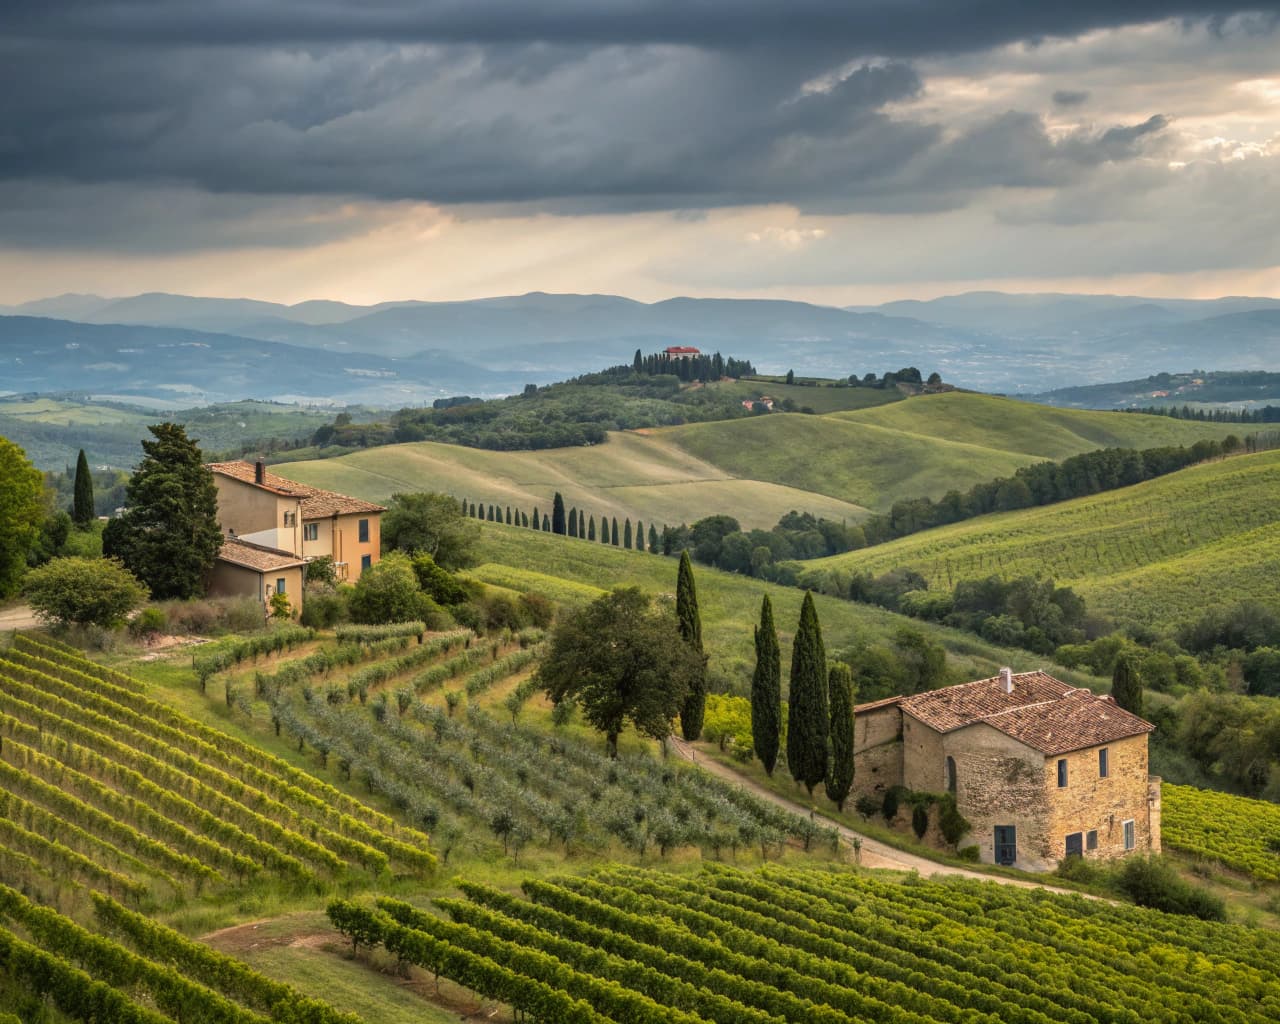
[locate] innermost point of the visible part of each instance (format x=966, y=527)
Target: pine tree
x=1126, y=683
x=557, y=515
x=808, y=721
x=695, y=704
x=766, y=690
x=626, y=534
x=614, y=540
x=591, y=528
x=840, y=766
x=653, y=540
x=82, y=502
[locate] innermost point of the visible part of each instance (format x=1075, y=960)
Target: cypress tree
x=695, y=704
x=591, y=528
x=637, y=364
x=536, y=524
x=808, y=719
x=1126, y=683
x=604, y=529
x=490, y=519
x=473, y=510
x=508, y=515
x=524, y=519
x=573, y=522
x=840, y=767
x=557, y=514
x=626, y=534
x=546, y=524
x=82, y=502
x=639, y=535
x=766, y=690
x=614, y=539
x=653, y=540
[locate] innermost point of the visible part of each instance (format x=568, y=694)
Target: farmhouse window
x=1091, y=839
x=291, y=519
x=280, y=585
x=951, y=774
x=1104, y=768
x=1129, y=840
x=365, y=562
x=1075, y=844
x=1062, y=773
x=311, y=531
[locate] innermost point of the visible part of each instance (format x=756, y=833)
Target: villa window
x=1062, y=773
x=311, y=531
x=291, y=519
x=363, y=527
x=1104, y=767
x=951, y=774
x=1129, y=838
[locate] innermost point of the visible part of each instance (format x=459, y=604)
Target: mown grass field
x=566, y=569
x=821, y=398
x=1159, y=552
x=759, y=468
x=630, y=476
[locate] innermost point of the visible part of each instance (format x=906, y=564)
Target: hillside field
x=757, y=469
x=1158, y=552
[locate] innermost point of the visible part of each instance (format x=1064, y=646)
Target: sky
x=835, y=151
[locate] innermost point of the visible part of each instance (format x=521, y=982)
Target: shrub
x=889, y=808
x=539, y=609
x=867, y=805
x=324, y=608
x=84, y=591
x=920, y=820
x=148, y=622
x=969, y=854
x=387, y=592
x=952, y=823
x=1154, y=882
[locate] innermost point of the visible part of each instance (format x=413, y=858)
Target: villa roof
x=317, y=503
x=1043, y=712
x=257, y=557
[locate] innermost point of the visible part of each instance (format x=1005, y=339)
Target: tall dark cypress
x=591, y=528
x=626, y=533
x=537, y=523
x=473, y=510
x=637, y=364
x=546, y=524
x=839, y=778
x=614, y=539
x=695, y=704
x=82, y=500
x=639, y=535
x=524, y=519
x=766, y=690
x=1126, y=683
x=557, y=514
x=573, y=522
x=508, y=515
x=808, y=721
x=653, y=540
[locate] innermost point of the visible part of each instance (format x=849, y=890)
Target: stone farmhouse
x=274, y=526
x=1039, y=768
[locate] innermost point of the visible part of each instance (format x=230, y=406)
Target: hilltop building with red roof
x=1039, y=768
x=682, y=351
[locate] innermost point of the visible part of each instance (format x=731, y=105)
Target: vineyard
x=1240, y=833
x=813, y=945
x=1156, y=552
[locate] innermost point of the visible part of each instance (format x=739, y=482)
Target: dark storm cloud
x=560, y=105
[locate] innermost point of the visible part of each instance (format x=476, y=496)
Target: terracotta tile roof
x=317, y=503
x=1042, y=712
x=257, y=556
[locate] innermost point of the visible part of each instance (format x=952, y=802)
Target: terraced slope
x=1158, y=552
x=632, y=475
x=824, y=947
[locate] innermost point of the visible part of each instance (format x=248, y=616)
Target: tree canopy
x=389, y=591
x=83, y=591
x=21, y=513
x=169, y=536
x=431, y=523
x=617, y=660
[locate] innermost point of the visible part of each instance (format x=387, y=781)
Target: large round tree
x=22, y=512
x=807, y=717
x=168, y=536
x=619, y=660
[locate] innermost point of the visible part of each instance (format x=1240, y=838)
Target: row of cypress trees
x=819, y=710
x=576, y=524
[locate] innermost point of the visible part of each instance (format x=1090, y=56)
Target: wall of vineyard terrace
x=1090, y=802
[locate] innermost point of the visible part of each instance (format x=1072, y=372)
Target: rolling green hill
x=1159, y=552
x=758, y=468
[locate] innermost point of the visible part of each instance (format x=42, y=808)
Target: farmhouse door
x=1075, y=844
x=1006, y=844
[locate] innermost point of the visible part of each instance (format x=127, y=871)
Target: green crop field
x=1240, y=833
x=1158, y=552
x=563, y=568
x=632, y=475
x=823, y=947
x=821, y=398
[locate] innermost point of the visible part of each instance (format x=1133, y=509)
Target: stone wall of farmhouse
x=877, y=757
x=1000, y=781
x=1090, y=802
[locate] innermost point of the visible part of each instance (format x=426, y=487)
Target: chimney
x=1006, y=680
x=259, y=472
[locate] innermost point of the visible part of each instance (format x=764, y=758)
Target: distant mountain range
x=400, y=353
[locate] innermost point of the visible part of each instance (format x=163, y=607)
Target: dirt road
x=18, y=616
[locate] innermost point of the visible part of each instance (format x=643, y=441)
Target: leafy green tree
x=388, y=591
x=638, y=675
x=766, y=690
x=626, y=534
x=429, y=522
x=557, y=515
x=82, y=502
x=84, y=591
x=21, y=513
x=694, y=707
x=839, y=778
x=169, y=535
x=808, y=719
x=1126, y=683
x=437, y=582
